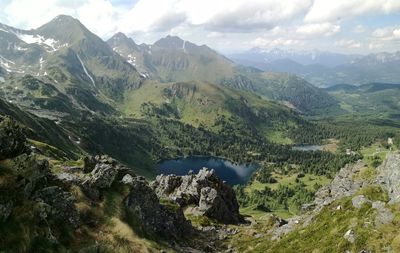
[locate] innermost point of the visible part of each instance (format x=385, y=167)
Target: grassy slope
x=202, y=104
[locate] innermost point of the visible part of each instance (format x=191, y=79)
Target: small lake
x=308, y=147
x=226, y=170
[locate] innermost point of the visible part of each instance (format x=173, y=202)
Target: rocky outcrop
x=105, y=172
x=343, y=185
x=60, y=205
x=389, y=176
x=144, y=207
x=213, y=198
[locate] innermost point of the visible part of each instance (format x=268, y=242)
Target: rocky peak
x=213, y=198
x=120, y=39
x=170, y=42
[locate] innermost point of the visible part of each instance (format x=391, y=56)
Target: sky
x=345, y=26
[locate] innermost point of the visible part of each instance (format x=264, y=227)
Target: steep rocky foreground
x=98, y=204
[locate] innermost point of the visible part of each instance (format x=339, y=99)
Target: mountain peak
x=170, y=42
x=64, y=19
x=120, y=39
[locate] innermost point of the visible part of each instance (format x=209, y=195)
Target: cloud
x=248, y=16
x=326, y=29
x=396, y=33
x=97, y=15
x=351, y=44
x=359, y=29
x=279, y=42
x=325, y=11
x=387, y=33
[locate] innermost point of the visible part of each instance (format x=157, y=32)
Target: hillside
x=172, y=59
x=371, y=98
x=208, y=105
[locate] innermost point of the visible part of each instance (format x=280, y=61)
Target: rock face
x=144, y=207
x=389, y=176
x=214, y=198
x=343, y=185
x=104, y=173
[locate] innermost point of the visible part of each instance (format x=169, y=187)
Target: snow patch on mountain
x=86, y=72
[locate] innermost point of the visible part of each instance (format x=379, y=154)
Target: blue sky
x=348, y=26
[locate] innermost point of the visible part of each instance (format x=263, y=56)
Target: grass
x=290, y=180
x=375, y=150
x=326, y=233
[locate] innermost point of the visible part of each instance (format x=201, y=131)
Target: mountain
x=372, y=98
x=303, y=57
x=172, y=59
x=69, y=57
x=213, y=107
x=354, y=69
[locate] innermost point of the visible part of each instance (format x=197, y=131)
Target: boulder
x=105, y=172
x=143, y=206
x=383, y=214
x=350, y=236
x=103, y=175
x=68, y=178
x=214, y=198
x=359, y=201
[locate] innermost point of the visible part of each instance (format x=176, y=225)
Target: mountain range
x=84, y=123
x=325, y=69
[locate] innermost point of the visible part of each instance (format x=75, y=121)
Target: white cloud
x=287, y=23
x=387, y=33
x=279, y=42
x=326, y=29
x=98, y=15
x=352, y=44
x=327, y=10
x=359, y=29
x=396, y=33
x=375, y=46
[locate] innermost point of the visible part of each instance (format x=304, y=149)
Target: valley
x=103, y=144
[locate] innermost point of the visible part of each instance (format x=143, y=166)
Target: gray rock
x=127, y=179
x=359, y=201
x=350, y=236
x=154, y=218
x=389, y=176
x=205, y=190
x=103, y=175
x=68, y=178
x=383, y=215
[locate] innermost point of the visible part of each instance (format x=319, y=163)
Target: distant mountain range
x=324, y=69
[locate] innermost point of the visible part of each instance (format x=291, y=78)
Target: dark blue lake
x=226, y=170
